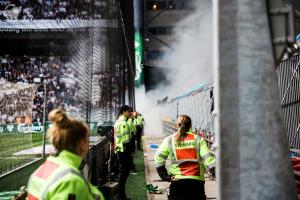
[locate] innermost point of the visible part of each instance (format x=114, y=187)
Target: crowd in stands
x=15, y=101
x=49, y=9
x=54, y=72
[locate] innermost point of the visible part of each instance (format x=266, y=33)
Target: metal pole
x=44, y=119
x=253, y=161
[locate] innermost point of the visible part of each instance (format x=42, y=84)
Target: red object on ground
x=296, y=167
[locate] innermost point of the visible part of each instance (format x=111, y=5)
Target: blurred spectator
x=27, y=119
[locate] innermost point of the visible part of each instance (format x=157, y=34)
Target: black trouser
x=132, y=151
x=139, y=131
x=124, y=170
x=132, y=143
x=187, y=189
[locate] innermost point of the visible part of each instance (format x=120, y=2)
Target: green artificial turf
x=11, y=143
x=19, y=178
x=136, y=184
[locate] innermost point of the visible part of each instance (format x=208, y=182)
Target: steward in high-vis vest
x=121, y=134
x=122, y=148
x=132, y=129
x=139, y=124
x=189, y=156
x=59, y=177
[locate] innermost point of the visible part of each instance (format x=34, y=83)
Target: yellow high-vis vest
x=189, y=158
x=59, y=178
x=121, y=133
x=132, y=127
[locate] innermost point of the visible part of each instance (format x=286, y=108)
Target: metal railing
x=288, y=77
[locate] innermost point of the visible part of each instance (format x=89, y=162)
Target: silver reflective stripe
x=211, y=165
x=197, y=145
x=161, y=156
x=63, y=174
x=126, y=142
x=54, y=180
x=170, y=144
x=183, y=161
x=206, y=156
x=121, y=135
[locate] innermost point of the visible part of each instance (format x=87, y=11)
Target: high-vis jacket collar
x=70, y=158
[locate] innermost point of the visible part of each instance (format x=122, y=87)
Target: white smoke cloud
x=188, y=64
x=146, y=104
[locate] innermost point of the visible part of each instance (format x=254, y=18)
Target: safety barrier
x=95, y=168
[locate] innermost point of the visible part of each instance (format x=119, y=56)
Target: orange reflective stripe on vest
x=186, y=155
x=115, y=138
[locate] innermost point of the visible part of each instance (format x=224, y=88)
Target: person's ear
x=84, y=147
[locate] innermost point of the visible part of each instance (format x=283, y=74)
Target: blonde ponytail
x=65, y=133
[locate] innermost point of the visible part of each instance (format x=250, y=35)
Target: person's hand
x=212, y=172
x=173, y=179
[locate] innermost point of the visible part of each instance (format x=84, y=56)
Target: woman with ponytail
x=59, y=177
x=185, y=125
x=189, y=157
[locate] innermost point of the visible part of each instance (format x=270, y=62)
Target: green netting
x=17, y=148
x=13, y=147
x=19, y=178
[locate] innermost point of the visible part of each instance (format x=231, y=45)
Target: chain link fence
x=72, y=56
x=288, y=77
x=198, y=104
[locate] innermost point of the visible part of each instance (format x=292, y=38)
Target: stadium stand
x=15, y=100
x=53, y=9
x=57, y=74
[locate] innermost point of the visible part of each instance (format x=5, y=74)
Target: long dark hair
x=184, y=123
